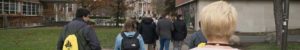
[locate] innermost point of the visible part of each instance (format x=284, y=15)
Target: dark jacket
x=147, y=30
x=86, y=36
x=180, y=31
x=164, y=28
x=195, y=39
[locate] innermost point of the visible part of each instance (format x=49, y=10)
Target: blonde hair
x=129, y=25
x=218, y=20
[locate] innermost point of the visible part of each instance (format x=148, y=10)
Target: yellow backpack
x=200, y=45
x=70, y=43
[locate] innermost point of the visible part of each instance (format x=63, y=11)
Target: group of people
x=148, y=31
x=217, y=23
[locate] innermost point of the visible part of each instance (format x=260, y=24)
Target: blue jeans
x=164, y=43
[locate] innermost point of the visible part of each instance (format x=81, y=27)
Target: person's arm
x=172, y=26
x=155, y=33
x=157, y=28
x=91, y=38
x=140, y=28
x=142, y=47
x=118, y=42
x=189, y=41
x=184, y=29
x=61, y=39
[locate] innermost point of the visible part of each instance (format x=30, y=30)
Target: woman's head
x=218, y=21
x=129, y=25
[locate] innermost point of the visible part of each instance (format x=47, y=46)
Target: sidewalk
x=243, y=39
x=291, y=38
x=184, y=47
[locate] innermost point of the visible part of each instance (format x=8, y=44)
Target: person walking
x=148, y=32
x=195, y=39
x=129, y=39
x=85, y=34
x=179, y=33
x=164, y=29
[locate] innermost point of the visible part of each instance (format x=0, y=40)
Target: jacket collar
x=78, y=19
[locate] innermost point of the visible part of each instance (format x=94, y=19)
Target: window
x=12, y=8
x=8, y=7
x=1, y=7
x=30, y=9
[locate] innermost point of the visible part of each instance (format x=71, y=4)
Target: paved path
x=294, y=38
x=184, y=47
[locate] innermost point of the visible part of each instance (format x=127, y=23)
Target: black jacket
x=147, y=30
x=86, y=36
x=180, y=30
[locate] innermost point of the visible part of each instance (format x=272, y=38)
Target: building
x=188, y=9
x=59, y=10
x=253, y=15
x=21, y=13
x=139, y=8
x=30, y=13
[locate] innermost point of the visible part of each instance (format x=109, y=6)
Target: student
x=195, y=39
x=129, y=39
x=164, y=29
x=86, y=36
x=179, y=33
x=218, y=22
x=148, y=32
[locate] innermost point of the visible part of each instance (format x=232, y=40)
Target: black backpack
x=130, y=43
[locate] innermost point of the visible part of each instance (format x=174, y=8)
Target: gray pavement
x=291, y=38
x=255, y=39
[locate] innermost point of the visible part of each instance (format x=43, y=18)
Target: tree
x=164, y=6
x=93, y=4
x=119, y=8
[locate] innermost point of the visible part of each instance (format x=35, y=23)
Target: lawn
x=45, y=38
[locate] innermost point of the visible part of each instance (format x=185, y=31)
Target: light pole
x=281, y=14
x=118, y=13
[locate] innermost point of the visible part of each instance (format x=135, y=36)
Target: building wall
x=25, y=13
x=64, y=11
x=258, y=16
x=1, y=22
x=140, y=8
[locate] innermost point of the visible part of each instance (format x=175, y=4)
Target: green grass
x=45, y=38
x=271, y=46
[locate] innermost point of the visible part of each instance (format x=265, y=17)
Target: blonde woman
x=218, y=22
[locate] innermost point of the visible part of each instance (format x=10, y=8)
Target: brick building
x=30, y=13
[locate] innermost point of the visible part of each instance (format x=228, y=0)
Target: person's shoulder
x=195, y=34
x=118, y=37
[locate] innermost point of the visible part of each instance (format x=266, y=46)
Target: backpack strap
x=136, y=35
x=123, y=35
